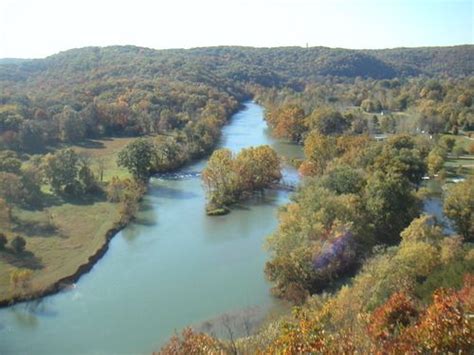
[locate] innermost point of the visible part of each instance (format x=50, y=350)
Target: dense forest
x=93, y=92
x=366, y=269
x=353, y=251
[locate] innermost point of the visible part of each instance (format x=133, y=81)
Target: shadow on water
x=265, y=199
x=28, y=314
x=145, y=206
x=131, y=233
x=135, y=229
x=243, y=322
x=240, y=207
x=40, y=308
x=171, y=193
x=147, y=221
x=24, y=318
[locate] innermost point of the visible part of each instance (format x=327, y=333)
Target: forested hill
x=127, y=90
x=265, y=66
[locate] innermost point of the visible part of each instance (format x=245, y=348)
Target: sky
x=38, y=28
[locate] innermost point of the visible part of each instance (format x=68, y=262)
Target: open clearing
x=64, y=233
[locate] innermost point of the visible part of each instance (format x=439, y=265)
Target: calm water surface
x=171, y=268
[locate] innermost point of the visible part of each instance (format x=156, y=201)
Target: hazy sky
x=38, y=28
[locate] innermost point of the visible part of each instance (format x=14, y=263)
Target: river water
x=171, y=268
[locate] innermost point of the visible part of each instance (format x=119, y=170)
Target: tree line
x=412, y=106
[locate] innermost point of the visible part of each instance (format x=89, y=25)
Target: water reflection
x=434, y=206
x=167, y=192
x=24, y=317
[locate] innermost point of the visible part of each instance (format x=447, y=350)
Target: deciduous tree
x=137, y=158
x=459, y=207
x=18, y=244
x=61, y=168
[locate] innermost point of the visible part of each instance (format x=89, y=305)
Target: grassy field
x=462, y=166
x=64, y=233
x=103, y=154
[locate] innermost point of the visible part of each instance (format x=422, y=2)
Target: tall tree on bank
x=136, y=157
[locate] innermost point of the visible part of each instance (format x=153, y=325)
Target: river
x=172, y=267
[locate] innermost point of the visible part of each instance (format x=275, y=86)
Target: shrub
x=3, y=241
x=18, y=244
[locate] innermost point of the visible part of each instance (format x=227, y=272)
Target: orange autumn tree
x=445, y=326
x=287, y=122
x=320, y=150
x=391, y=318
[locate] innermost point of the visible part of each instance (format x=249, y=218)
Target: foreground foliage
x=393, y=300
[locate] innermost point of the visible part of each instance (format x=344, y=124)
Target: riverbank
x=67, y=281
x=66, y=238
x=170, y=268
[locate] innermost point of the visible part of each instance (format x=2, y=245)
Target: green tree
x=315, y=241
x=459, y=207
x=31, y=136
x=18, y=244
x=87, y=178
x=458, y=149
x=136, y=157
x=167, y=154
x=31, y=178
x=11, y=188
x=327, y=121
x=400, y=155
x=343, y=179
x=435, y=161
x=447, y=143
x=5, y=214
x=71, y=126
x=3, y=241
x=9, y=162
x=61, y=168
x=391, y=205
